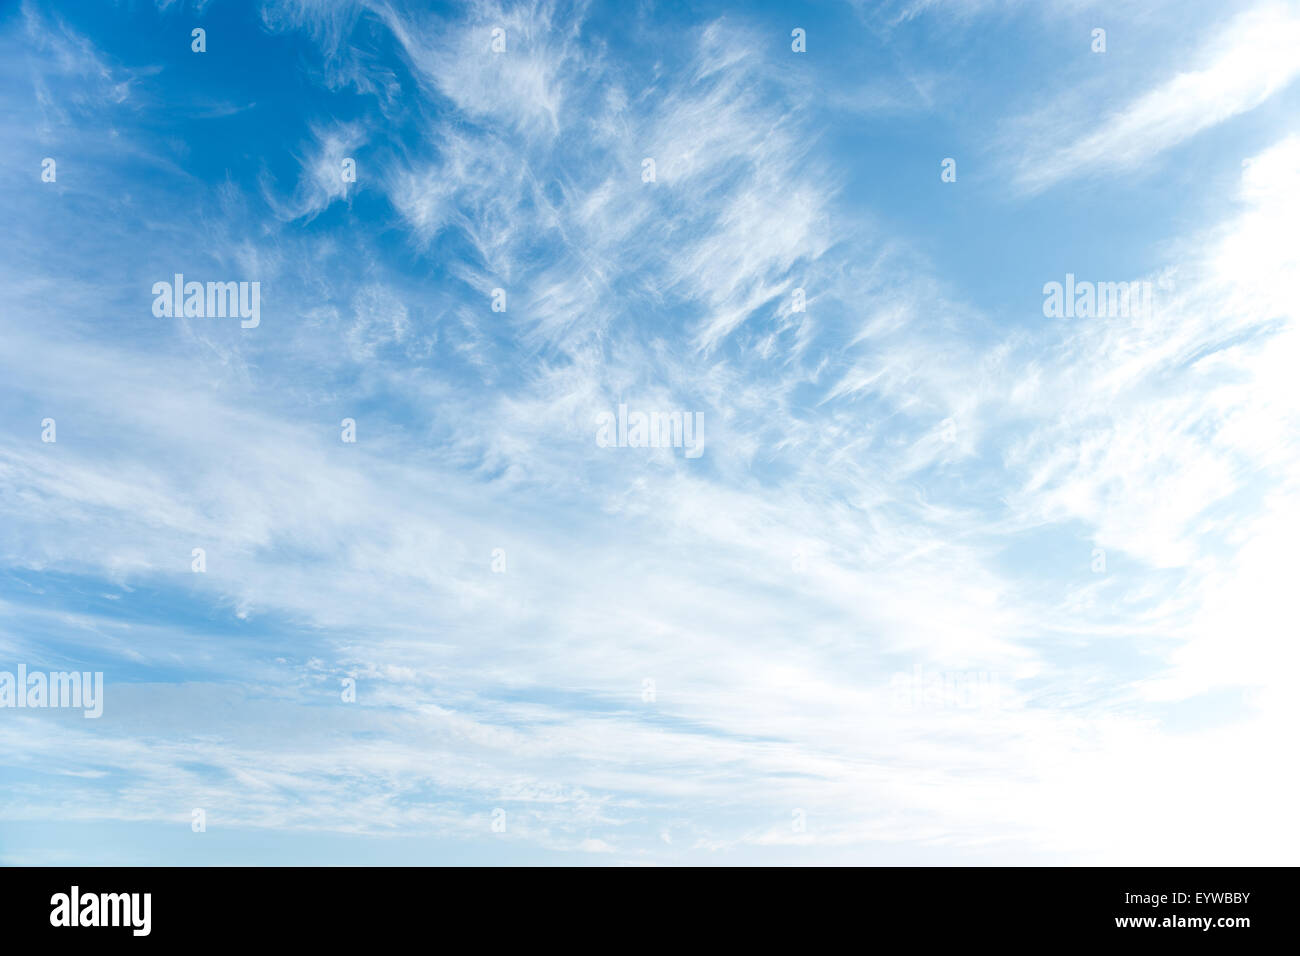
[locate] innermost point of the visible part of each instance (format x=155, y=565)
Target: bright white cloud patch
x=1241, y=63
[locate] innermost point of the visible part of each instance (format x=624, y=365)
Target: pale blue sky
x=1080, y=530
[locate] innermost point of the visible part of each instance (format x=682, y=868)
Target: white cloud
x=1240, y=65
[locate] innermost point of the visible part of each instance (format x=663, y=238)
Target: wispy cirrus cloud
x=1241, y=63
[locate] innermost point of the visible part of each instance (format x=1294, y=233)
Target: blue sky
x=952, y=581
